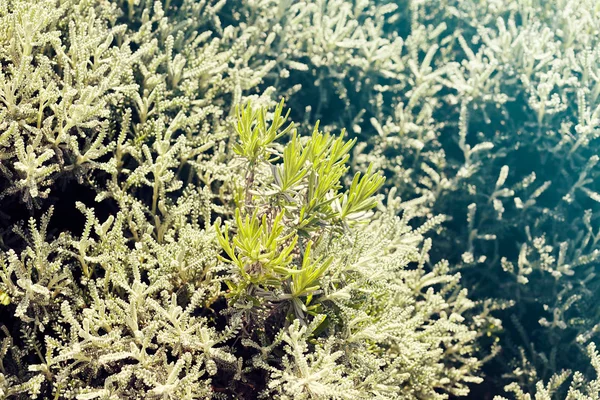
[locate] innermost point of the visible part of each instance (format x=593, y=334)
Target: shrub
x=167, y=232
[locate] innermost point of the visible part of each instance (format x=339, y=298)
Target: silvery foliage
x=578, y=389
x=134, y=101
x=56, y=105
x=486, y=112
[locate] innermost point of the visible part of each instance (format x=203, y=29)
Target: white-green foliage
x=61, y=75
x=486, y=112
x=307, y=285
x=330, y=55
x=579, y=389
x=525, y=101
x=127, y=290
x=129, y=306
x=128, y=327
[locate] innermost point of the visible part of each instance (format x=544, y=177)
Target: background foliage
x=167, y=231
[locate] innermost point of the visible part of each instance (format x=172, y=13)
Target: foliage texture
x=427, y=228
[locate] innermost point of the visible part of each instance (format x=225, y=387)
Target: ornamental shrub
x=304, y=199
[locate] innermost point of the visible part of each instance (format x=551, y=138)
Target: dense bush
x=167, y=231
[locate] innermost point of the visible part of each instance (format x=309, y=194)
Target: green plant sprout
x=305, y=179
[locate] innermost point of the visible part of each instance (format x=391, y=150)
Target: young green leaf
x=359, y=198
